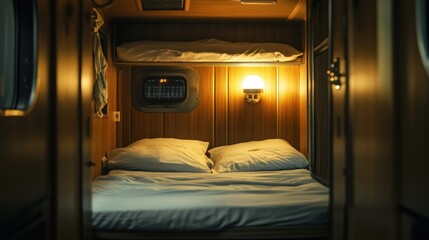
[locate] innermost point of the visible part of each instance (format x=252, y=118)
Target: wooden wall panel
x=148, y=125
x=143, y=125
x=124, y=80
x=289, y=101
x=197, y=124
x=134, y=125
x=251, y=121
x=223, y=117
x=221, y=106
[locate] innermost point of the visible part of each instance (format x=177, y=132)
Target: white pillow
x=161, y=155
x=265, y=155
x=193, y=145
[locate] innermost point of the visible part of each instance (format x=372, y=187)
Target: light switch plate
x=116, y=116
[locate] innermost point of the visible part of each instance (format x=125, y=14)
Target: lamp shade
x=253, y=86
x=253, y=82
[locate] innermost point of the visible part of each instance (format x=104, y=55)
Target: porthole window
x=165, y=89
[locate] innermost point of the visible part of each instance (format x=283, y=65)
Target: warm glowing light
x=13, y=113
x=253, y=86
x=253, y=82
x=258, y=1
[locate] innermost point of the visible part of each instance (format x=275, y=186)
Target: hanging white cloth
x=100, y=65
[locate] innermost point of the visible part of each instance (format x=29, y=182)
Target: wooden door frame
x=341, y=188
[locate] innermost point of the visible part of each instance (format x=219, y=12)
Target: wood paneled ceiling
x=208, y=10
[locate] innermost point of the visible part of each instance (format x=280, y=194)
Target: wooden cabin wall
x=103, y=130
x=223, y=117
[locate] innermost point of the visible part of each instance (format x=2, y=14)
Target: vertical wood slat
x=120, y=92
x=289, y=99
x=221, y=106
x=303, y=114
x=125, y=106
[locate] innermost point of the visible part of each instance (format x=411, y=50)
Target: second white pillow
x=265, y=155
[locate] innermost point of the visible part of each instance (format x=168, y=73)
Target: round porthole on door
x=18, y=64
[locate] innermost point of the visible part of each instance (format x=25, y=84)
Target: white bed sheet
x=207, y=50
x=156, y=201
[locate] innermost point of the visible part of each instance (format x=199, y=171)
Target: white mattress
x=208, y=50
x=151, y=201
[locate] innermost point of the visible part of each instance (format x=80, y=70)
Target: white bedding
x=208, y=50
x=149, y=201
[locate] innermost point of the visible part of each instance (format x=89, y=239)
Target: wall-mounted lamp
x=253, y=87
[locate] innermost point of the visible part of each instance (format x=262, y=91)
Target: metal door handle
x=334, y=73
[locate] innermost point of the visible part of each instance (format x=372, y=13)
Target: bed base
x=313, y=232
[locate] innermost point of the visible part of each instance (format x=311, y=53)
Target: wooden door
x=412, y=81
x=371, y=132
x=67, y=127
x=71, y=111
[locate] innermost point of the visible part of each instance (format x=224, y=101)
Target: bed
x=205, y=51
x=168, y=188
